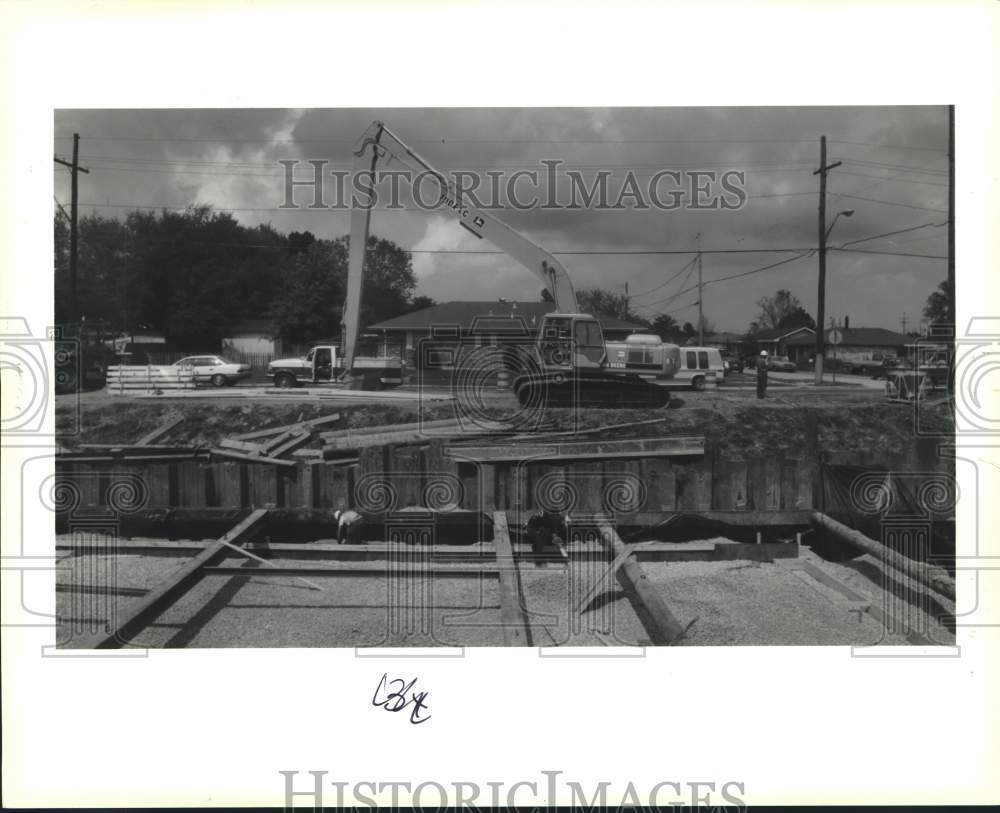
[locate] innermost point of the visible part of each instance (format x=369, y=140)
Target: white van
x=700, y=367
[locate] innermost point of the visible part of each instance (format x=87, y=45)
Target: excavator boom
x=379, y=143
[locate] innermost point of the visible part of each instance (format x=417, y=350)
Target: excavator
x=570, y=367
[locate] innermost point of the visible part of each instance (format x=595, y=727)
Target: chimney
x=847, y=323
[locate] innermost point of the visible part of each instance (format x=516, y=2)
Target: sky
x=893, y=176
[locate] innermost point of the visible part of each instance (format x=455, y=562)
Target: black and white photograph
x=411, y=405
x=603, y=378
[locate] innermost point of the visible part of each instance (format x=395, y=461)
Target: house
x=479, y=323
x=782, y=341
x=857, y=344
x=253, y=337
x=729, y=342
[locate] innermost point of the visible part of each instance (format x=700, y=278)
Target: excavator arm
x=379, y=144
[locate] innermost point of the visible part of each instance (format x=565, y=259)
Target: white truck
x=322, y=365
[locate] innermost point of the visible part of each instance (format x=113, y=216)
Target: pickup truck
x=320, y=366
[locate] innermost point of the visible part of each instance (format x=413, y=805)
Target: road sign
x=836, y=337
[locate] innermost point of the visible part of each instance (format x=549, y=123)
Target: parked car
x=733, y=364
x=780, y=364
x=215, y=370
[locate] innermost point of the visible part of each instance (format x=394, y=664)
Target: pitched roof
x=490, y=313
x=863, y=336
x=775, y=333
x=724, y=336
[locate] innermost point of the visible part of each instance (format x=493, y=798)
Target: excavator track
x=595, y=389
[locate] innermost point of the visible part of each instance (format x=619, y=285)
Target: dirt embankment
x=737, y=430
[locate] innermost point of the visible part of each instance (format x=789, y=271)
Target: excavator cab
x=571, y=341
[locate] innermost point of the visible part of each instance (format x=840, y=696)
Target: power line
x=888, y=202
x=874, y=145
x=891, y=233
x=890, y=253
x=664, y=284
x=672, y=297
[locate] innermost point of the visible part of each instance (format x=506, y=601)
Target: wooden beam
x=661, y=626
x=277, y=430
x=172, y=588
x=515, y=624
x=158, y=433
x=241, y=446
x=933, y=577
x=369, y=572
x=581, y=450
x=290, y=445
x=231, y=455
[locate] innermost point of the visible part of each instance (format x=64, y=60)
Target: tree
x=419, y=303
x=688, y=332
x=666, y=328
x=781, y=311
x=602, y=302
x=547, y=295
x=938, y=306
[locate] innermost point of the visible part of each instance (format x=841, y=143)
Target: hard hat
x=763, y=352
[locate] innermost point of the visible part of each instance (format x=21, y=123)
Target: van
x=700, y=367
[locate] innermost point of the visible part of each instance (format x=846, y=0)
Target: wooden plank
x=434, y=572
x=254, y=449
x=487, y=487
x=515, y=624
x=277, y=430
x=405, y=474
x=160, y=431
x=233, y=455
x=660, y=625
x=583, y=450
x=191, y=484
x=143, y=612
x=293, y=443
x=263, y=483
x=661, y=484
x=228, y=484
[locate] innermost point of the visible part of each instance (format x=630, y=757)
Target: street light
x=845, y=213
x=821, y=298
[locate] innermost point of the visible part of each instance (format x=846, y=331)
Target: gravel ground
x=754, y=604
x=729, y=603
x=911, y=602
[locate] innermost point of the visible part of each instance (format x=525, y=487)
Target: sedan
x=780, y=364
x=214, y=369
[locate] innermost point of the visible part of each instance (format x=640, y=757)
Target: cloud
x=892, y=175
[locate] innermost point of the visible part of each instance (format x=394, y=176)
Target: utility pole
x=821, y=297
x=626, y=302
x=701, y=318
x=74, y=168
x=952, y=309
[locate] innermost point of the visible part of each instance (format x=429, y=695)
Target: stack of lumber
x=130, y=379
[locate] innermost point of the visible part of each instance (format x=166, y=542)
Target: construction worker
x=762, y=374
x=349, y=525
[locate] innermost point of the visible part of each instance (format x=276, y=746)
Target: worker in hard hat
x=762, y=374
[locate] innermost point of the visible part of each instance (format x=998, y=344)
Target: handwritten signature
x=396, y=699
